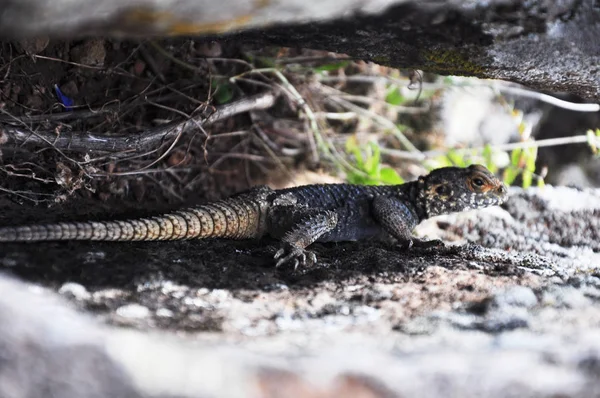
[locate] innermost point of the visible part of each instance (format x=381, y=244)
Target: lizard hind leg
x=297, y=228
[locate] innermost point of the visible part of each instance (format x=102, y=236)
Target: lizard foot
x=294, y=255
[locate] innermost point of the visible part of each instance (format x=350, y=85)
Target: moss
x=453, y=62
x=382, y=60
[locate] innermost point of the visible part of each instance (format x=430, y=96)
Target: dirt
x=233, y=288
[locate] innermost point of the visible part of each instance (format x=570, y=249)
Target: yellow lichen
x=167, y=23
x=451, y=62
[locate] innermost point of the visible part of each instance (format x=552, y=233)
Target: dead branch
x=86, y=141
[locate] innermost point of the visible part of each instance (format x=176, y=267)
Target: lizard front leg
x=399, y=219
x=298, y=227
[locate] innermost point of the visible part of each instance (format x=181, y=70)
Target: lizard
x=299, y=216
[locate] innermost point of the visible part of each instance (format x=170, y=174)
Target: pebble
x=90, y=52
x=516, y=296
x=164, y=313
x=565, y=297
x=133, y=311
x=75, y=290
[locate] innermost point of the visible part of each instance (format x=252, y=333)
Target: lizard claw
x=295, y=255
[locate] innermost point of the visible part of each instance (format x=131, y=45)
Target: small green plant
x=331, y=67
x=394, y=96
x=368, y=169
x=522, y=162
x=593, y=138
x=463, y=158
x=224, y=91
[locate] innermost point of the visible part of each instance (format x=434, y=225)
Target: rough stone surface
x=90, y=52
x=548, y=45
x=509, y=308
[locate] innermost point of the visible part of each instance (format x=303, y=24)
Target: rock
x=515, y=296
x=565, y=297
x=164, y=313
x=70, y=89
x=32, y=46
x=35, y=102
x=75, y=290
x=530, y=42
x=133, y=311
x=90, y=52
x=210, y=49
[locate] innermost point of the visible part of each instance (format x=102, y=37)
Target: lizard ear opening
x=442, y=190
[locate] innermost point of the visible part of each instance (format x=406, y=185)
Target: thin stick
x=572, y=106
x=398, y=108
x=579, y=139
x=85, y=141
x=377, y=118
x=500, y=86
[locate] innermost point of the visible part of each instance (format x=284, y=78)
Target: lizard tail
x=232, y=218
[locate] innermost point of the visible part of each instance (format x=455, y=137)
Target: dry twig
x=85, y=141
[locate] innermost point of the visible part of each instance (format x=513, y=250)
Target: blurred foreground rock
x=544, y=44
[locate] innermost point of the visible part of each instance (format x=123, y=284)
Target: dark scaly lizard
x=299, y=216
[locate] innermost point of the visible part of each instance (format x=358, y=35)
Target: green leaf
x=591, y=140
x=456, y=159
x=515, y=157
x=522, y=127
x=530, y=158
x=436, y=163
x=265, y=62
x=390, y=176
x=510, y=174
x=351, y=144
x=352, y=148
x=353, y=178
x=331, y=67
x=223, y=93
x=487, y=153
x=540, y=182
x=394, y=97
x=373, y=163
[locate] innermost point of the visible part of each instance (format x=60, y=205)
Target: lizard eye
x=478, y=182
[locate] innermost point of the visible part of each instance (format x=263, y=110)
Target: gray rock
x=527, y=42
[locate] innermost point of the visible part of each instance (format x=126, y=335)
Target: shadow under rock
x=221, y=264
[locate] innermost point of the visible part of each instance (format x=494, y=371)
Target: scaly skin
x=299, y=216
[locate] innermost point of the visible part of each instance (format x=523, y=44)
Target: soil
x=232, y=287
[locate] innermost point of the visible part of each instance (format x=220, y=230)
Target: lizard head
x=455, y=189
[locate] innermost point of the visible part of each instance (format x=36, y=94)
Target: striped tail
x=237, y=218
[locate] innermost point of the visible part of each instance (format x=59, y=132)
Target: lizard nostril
x=502, y=189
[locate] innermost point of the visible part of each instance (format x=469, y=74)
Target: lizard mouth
x=501, y=192
x=496, y=195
